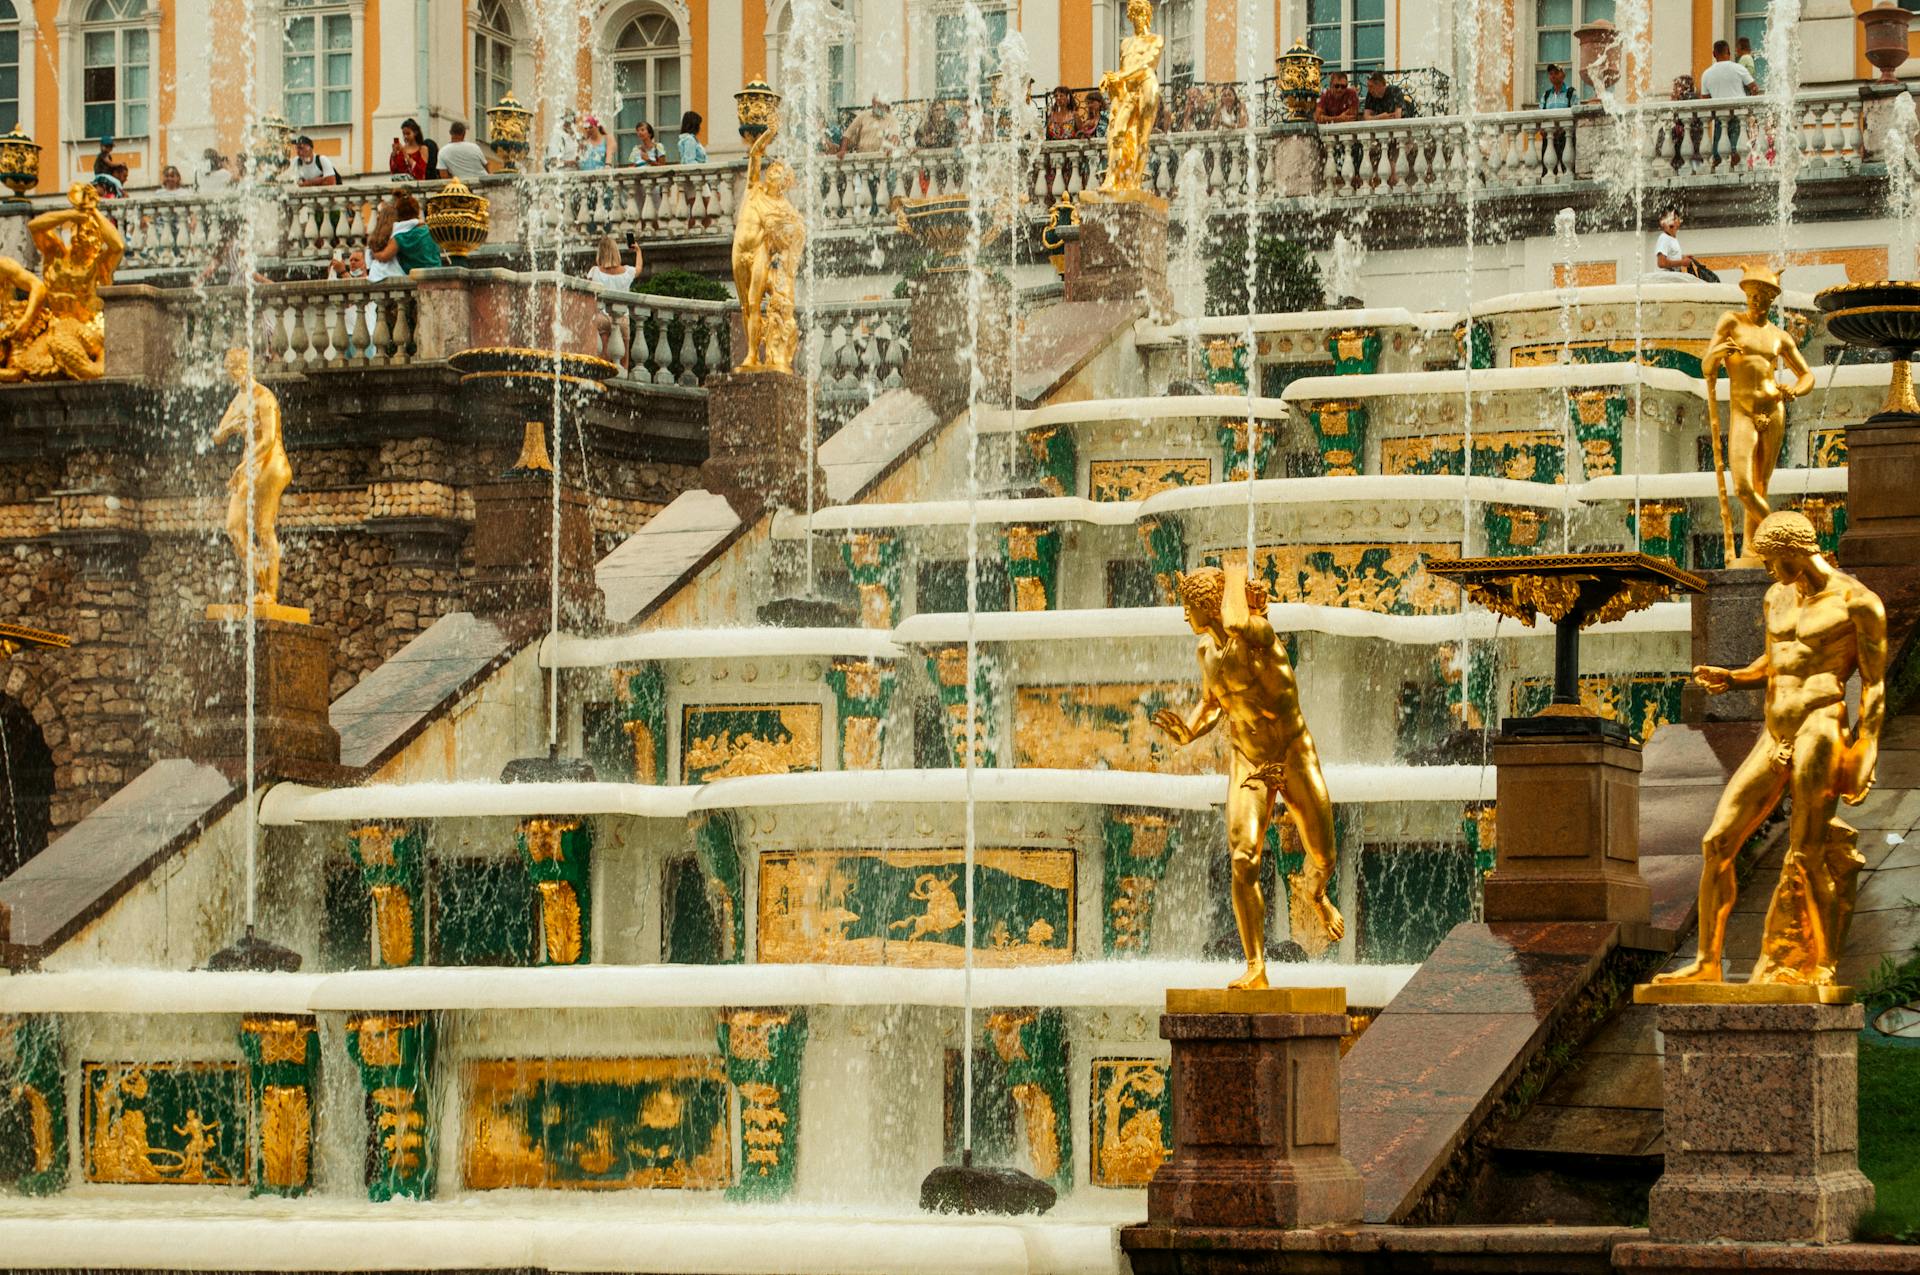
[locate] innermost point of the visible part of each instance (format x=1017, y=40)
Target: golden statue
x=1246, y=677
x=1822, y=627
x=258, y=482
x=55, y=331
x=768, y=239
x=1752, y=350
x=1133, y=101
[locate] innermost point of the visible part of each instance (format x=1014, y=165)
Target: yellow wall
x=753, y=40
x=1223, y=30
x=1702, y=38
x=697, y=100
x=46, y=94
x=1076, y=43
x=370, y=87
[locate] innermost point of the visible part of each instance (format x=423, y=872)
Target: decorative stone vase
x=1298, y=71
x=457, y=218
x=942, y=224
x=1885, y=27
x=507, y=125
x=19, y=163
x=1599, y=55
x=759, y=109
x=272, y=145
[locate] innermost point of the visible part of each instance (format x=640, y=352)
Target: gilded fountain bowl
x=521, y=371
x=1884, y=315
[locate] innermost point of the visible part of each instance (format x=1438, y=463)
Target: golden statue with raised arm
x=1752, y=350
x=1246, y=678
x=258, y=482
x=1133, y=101
x=768, y=240
x=1822, y=627
x=57, y=330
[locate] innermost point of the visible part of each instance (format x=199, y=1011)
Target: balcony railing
x=665, y=340
x=306, y=326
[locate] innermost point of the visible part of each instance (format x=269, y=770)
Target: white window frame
x=1759, y=37
x=1164, y=14
x=73, y=54
x=322, y=14
x=668, y=131
x=78, y=149
x=11, y=24
x=492, y=38
x=1345, y=25
x=1535, y=79
x=948, y=10
x=780, y=15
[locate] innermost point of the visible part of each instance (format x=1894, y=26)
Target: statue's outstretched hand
x=1714, y=679
x=1173, y=724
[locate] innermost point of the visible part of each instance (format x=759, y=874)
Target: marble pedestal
x=293, y=664
x=512, y=545
x=1727, y=631
x=1761, y=1112
x=1256, y=1112
x=757, y=442
x=1121, y=254
x=1569, y=830
x=944, y=354
x=1883, y=492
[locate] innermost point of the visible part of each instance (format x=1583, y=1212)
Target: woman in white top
x=607, y=272
x=378, y=238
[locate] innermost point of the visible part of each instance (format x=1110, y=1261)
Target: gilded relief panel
x=1536, y=455
x=721, y=741
x=183, y=1123
x=595, y=1124
x=1107, y=726
x=1132, y=1120
x=1387, y=578
x=905, y=907
x=1138, y=479
x=1643, y=702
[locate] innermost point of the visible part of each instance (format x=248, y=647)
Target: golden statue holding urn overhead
x=1246, y=678
x=1752, y=350
x=768, y=239
x=1822, y=627
x=255, y=489
x=1133, y=101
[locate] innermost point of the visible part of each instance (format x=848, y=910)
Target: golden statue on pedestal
x=1245, y=677
x=51, y=327
x=768, y=240
x=1822, y=627
x=1752, y=350
x=1133, y=101
x=254, y=490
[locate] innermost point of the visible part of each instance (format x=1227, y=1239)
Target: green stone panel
x=395, y=1054
x=717, y=856
x=1020, y=1112
x=1139, y=844
x=34, y=1155
x=1132, y=1124
x=482, y=913
x=346, y=921
x=694, y=927
x=1410, y=896
x=763, y=1049
x=178, y=1123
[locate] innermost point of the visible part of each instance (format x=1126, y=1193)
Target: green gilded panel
x=895, y=907
x=482, y=913
x=597, y=1124
x=1019, y=1095
x=1132, y=1120
x=33, y=1104
x=171, y=1122
x=721, y=741
x=1643, y=702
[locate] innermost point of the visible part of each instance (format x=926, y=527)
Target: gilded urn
x=272, y=144
x=457, y=218
x=759, y=108
x=1298, y=73
x=19, y=163
x=507, y=131
x=942, y=224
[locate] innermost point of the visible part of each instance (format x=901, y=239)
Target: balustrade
x=1741, y=137
x=664, y=340
x=673, y=202
x=302, y=327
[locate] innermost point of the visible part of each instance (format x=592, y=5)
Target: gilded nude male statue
x=1822, y=627
x=1133, y=100
x=768, y=240
x=1751, y=350
x=1246, y=678
x=259, y=480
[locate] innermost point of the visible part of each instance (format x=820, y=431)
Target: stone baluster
x=334, y=304
x=643, y=343
x=687, y=353
x=714, y=359
x=403, y=328
x=382, y=330
x=615, y=348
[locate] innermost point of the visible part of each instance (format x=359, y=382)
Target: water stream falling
x=1188, y=230
x=1903, y=185
x=1782, y=120
x=1566, y=238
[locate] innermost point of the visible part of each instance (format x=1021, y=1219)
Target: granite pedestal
x=1256, y=1112
x=1883, y=492
x=1728, y=631
x=1569, y=829
x=512, y=545
x=941, y=361
x=1121, y=254
x=757, y=442
x=293, y=663
x=1761, y=1116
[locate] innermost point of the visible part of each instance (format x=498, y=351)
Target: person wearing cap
x=103, y=162
x=311, y=169
x=1669, y=255
x=1751, y=349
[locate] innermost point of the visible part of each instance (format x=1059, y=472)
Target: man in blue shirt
x=1557, y=96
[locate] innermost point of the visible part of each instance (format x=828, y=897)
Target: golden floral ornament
x=507, y=125
x=19, y=163
x=458, y=219
x=758, y=107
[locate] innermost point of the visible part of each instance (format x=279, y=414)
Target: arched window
x=316, y=63
x=26, y=787
x=9, y=65
x=1554, y=22
x=116, y=61
x=492, y=59
x=838, y=91
x=646, y=64
x=1173, y=22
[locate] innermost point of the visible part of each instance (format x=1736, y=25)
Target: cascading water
x=1781, y=120
x=1188, y=225
x=1566, y=239
x=1903, y=185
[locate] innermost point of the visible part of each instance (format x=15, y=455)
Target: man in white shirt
x=460, y=157
x=1725, y=77
x=312, y=169
x=1669, y=255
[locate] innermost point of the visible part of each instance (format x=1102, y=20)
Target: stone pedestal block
x=757, y=435
x=1728, y=630
x=513, y=555
x=1761, y=1114
x=1256, y=1117
x=293, y=738
x=942, y=359
x=1569, y=820
x=1883, y=492
x=1299, y=164
x=1121, y=254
